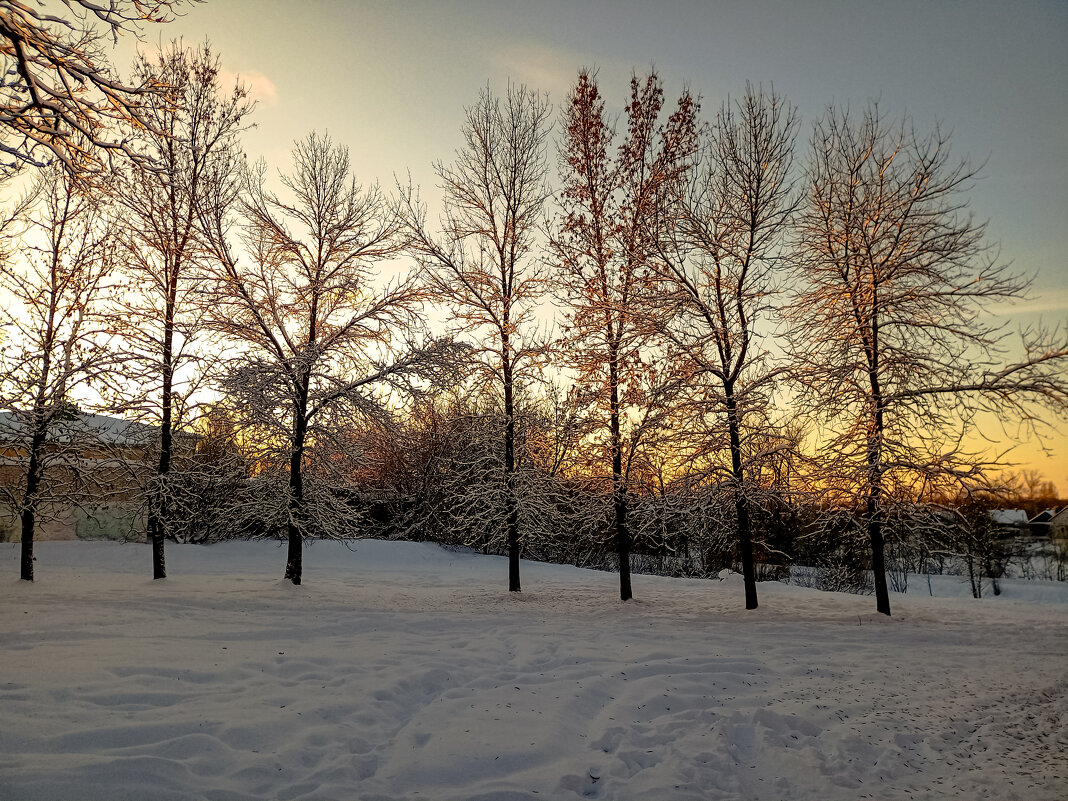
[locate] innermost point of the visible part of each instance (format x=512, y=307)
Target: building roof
x=1043, y=517
x=1009, y=517
x=79, y=427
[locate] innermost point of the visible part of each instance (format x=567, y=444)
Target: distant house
x=1039, y=524
x=1010, y=522
x=95, y=468
x=1058, y=526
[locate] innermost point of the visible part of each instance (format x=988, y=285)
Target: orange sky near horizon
x=391, y=80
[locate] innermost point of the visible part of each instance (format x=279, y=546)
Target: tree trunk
x=878, y=558
x=875, y=481
x=295, y=553
x=29, y=506
x=511, y=507
x=741, y=500
x=34, y=476
x=622, y=543
x=295, y=550
x=157, y=512
x=619, y=489
x=157, y=509
x=28, y=522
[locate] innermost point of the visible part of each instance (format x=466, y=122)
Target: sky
x=391, y=79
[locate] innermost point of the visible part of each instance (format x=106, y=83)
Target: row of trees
x=722, y=311
x=437, y=475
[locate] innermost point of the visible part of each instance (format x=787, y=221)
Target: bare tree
x=603, y=252
x=722, y=249
x=1029, y=489
x=317, y=339
x=58, y=344
x=59, y=97
x=481, y=264
x=897, y=352
x=192, y=139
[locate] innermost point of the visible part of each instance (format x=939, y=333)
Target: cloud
x=539, y=67
x=260, y=87
x=1041, y=301
x=554, y=70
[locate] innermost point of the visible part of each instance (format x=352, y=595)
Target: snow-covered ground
x=404, y=671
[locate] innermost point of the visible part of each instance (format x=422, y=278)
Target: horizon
x=391, y=87
x=385, y=80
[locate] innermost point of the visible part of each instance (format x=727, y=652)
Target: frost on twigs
x=60, y=99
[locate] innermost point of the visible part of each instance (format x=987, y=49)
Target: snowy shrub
x=832, y=577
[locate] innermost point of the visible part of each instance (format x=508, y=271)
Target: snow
x=82, y=427
x=1009, y=517
x=402, y=671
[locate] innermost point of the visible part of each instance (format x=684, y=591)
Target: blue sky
x=391, y=79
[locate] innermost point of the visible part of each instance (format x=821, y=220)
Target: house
x=1010, y=522
x=1039, y=524
x=95, y=470
x=1058, y=526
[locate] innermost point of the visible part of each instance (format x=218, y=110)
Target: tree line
x=696, y=343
